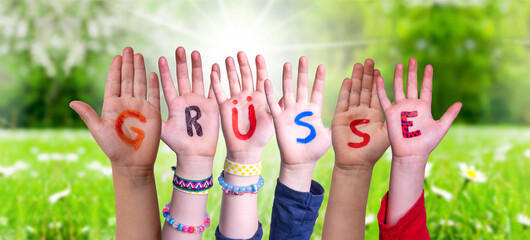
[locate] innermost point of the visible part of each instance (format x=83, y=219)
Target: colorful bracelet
x=239, y=190
x=182, y=227
x=192, y=186
x=242, y=169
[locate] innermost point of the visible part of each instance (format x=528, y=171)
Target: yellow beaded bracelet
x=242, y=169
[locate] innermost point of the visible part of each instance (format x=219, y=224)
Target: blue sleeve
x=294, y=213
x=257, y=236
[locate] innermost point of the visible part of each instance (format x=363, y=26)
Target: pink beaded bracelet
x=182, y=227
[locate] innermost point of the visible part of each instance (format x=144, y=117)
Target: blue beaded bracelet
x=240, y=190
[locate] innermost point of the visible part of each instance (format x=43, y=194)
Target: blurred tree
x=51, y=53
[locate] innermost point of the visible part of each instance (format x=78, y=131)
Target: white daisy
x=71, y=157
x=369, y=219
x=96, y=166
x=428, y=169
x=3, y=221
x=58, y=196
x=7, y=171
x=43, y=157
x=524, y=220
x=442, y=193
x=470, y=173
x=526, y=153
x=55, y=225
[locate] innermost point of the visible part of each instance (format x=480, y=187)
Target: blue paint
x=297, y=121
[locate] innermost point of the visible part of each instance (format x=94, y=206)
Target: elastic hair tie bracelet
x=242, y=169
x=192, y=186
x=189, y=229
x=240, y=190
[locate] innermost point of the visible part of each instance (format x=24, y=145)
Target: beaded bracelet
x=189, y=229
x=240, y=190
x=242, y=169
x=192, y=186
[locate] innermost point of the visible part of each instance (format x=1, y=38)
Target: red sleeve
x=411, y=226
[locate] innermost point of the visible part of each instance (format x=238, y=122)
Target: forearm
x=137, y=215
x=297, y=177
x=188, y=209
x=346, y=211
x=239, y=213
x=406, y=186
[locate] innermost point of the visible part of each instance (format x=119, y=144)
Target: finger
x=233, y=78
x=398, y=83
x=211, y=94
x=246, y=72
x=183, y=80
x=288, y=94
x=449, y=116
x=374, y=102
x=196, y=73
x=127, y=72
x=168, y=87
x=154, y=91
x=281, y=103
x=271, y=99
x=366, y=83
x=87, y=114
x=217, y=88
x=317, y=96
x=301, y=89
x=140, y=85
x=412, y=79
x=381, y=94
x=426, y=85
x=113, y=85
x=355, y=92
x=217, y=69
x=261, y=69
x=344, y=96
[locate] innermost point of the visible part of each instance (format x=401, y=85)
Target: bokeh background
x=55, y=183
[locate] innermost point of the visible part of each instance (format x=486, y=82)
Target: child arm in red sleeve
x=413, y=135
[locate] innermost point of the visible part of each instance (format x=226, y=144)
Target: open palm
x=126, y=92
x=245, y=118
x=202, y=140
x=300, y=143
x=411, y=127
x=358, y=130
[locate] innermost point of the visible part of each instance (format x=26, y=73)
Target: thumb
x=450, y=115
x=87, y=114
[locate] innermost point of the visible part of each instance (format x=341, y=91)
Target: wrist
x=353, y=170
x=194, y=167
x=246, y=157
x=410, y=163
x=137, y=175
x=297, y=177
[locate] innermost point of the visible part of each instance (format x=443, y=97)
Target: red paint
x=365, y=136
x=234, y=102
x=251, y=118
x=139, y=133
x=249, y=98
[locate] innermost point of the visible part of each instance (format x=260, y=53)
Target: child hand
x=302, y=137
x=135, y=144
x=358, y=131
x=412, y=130
x=192, y=128
x=245, y=118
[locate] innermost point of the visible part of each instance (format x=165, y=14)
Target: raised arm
x=413, y=135
x=247, y=127
x=302, y=139
x=191, y=131
x=359, y=140
x=128, y=132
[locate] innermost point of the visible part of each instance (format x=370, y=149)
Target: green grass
x=484, y=211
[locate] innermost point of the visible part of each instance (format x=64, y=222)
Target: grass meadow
x=56, y=184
